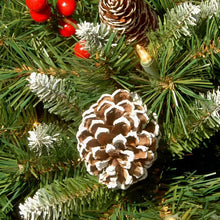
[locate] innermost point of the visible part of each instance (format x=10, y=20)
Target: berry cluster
x=67, y=25
x=40, y=11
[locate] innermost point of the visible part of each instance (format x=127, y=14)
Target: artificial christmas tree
x=76, y=143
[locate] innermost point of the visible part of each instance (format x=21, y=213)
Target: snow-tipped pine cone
x=131, y=17
x=117, y=140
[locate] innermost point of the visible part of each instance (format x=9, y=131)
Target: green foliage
x=181, y=80
x=161, y=6
x=194, y=197
x=202, y=124
x=146, y=210
x=182, y=22
x=187, y=66
x=21, y=171
x=77, y=196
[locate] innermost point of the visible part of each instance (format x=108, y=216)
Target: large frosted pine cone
x=130, y=17
x=117, y=140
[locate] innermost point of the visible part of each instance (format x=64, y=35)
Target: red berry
x=67, y=27
x=36, y=5
x=80, y=50
x=66, y=7
x=42, y=15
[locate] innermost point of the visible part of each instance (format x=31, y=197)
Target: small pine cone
x=130, y=17
x=117, y=140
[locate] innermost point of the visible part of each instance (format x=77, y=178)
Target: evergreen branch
x=146, y=210
x=177, y=24
x=205, y=47
x=182, y=21
x=203, y=124
x=214, y=97
x=37, y=56
x=118, y=57
x=14, y=123
x=11, y=187
x=21, y=175
x=161, y=6
x=181, y=80
x=22, y=172
x=180, y=18
x=52, y=93
x=75, y=196
x=87, y=10
x=41, y=48
x=193, y=196
x=169, y=95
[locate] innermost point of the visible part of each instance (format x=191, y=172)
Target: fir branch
x=76, y=196
x=182, y=21
x=11, y=186
x=180, y=81
x=146, y=210
x=193, y=196
x=52, y=92
x=117, y=58
x=107, y=70
x=22, y=172
x=176, y=24
x=210, y=49
x=203, y=124
x=14, y=90
x=161, y=6
x=14, y=124
x=21, y=175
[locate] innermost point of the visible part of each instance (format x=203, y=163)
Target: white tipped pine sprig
x=46, y=88
x=181, y=18
x=209, y=8
x=214, y=96
x=33, y=208
x=52, y=93
x=42, y=137
x=95, y=35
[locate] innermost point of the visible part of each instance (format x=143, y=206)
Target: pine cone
x=130, y=17
x=117, y=140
